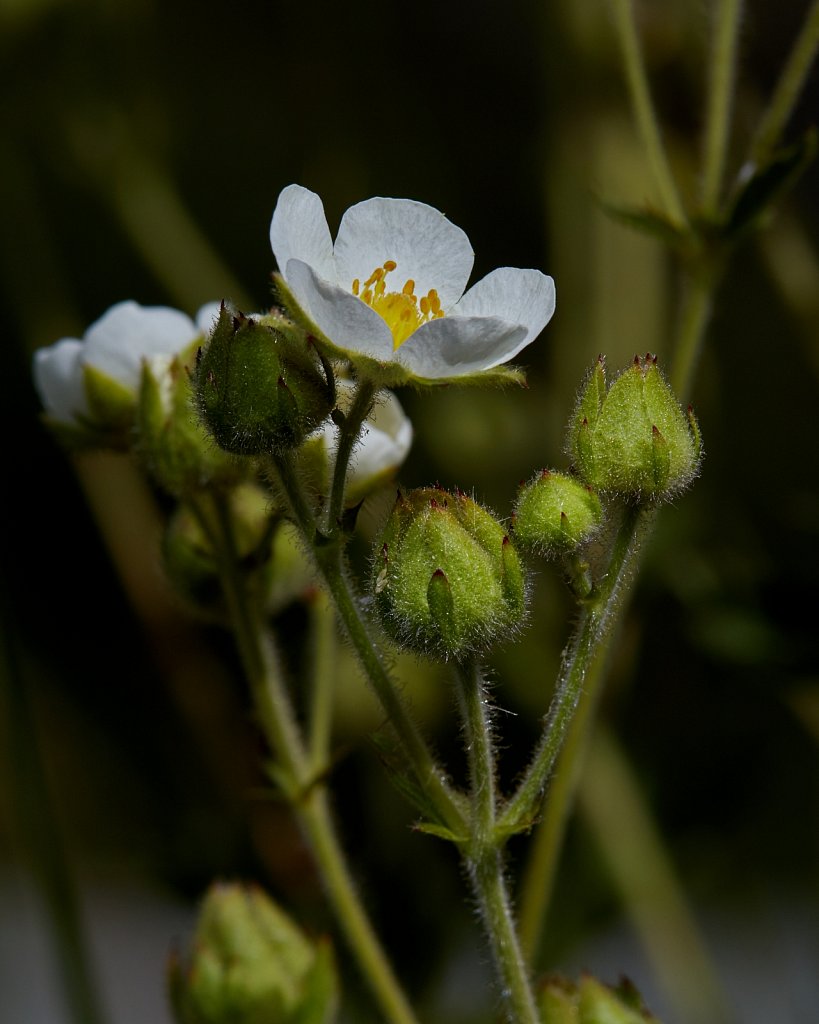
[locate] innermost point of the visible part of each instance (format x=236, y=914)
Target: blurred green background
x=144, y=145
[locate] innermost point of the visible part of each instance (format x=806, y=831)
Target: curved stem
x=322, y=647
x=541, y=868
x=329, y=560
x=307, y=797
x=483, y=856
x=591, y=635
x=644, y=110
x=348, y=436
x=788, y=88
x=718, y=112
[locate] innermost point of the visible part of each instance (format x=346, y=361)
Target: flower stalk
x=329, y=560
x=483, y=852
x=593, y=631
x=296, y=770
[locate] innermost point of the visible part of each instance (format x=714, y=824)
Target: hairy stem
x=329, y=560
x=592, y=635
x=483, y=856
x=307, y=796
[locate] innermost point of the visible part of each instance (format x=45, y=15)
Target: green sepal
x=441, y=832
x=111, y=404
x=170, y=438
x=400, y=773
x=649, y=222
x=319, y=1002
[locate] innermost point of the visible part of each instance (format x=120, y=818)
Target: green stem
x=329, y=560
x=718, y=111
x=593, y=631
x=322, y=672
x=644, y=110
x=348, y=436
x=307, y=796
x=541, y=868
x=483, y=856
x=788, y=88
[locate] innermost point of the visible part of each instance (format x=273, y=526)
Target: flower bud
x=260, y=388
x=89, y=386
x=275, y=566
x=447, y=580
x=555, y=514
x=170, y=438
x=251, y=964
x=634, y=439
x=590, y=1002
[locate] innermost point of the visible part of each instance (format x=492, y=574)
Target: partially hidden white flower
x=111, y=351
x=386, y=438
x=389, y=295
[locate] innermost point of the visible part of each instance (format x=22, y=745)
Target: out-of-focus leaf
x=764, y=185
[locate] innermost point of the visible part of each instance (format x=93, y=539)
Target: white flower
x=391, y=289
x=115, y=347
x=386, y=438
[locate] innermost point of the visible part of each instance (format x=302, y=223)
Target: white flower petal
x=58, y=379
x=385, y=442
x=347, y=321
x=299, y=231
x=456, y=345
x=117, y=343
x=524, y=297
x=427, y=248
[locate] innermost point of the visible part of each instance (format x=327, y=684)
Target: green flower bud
x=634, y=439
x=260, y=387
x=268, y=549
x=590, y=1002
x=170, y=438
x=251, y=964
x=555, y=514
x=446, y=579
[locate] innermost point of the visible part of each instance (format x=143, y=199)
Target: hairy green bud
x=591, y=1002
x=634, y=439
x=447, y=580
x=555, y=514
x=251, y=964
x=260, y=387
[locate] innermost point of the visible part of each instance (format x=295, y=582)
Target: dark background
x=144, y=146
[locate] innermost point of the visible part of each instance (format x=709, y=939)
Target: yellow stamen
x=403, y=311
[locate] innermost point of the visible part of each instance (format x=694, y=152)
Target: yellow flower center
x=403, y=311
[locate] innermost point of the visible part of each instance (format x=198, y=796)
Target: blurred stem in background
x=609, y=788
x=41, y=835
